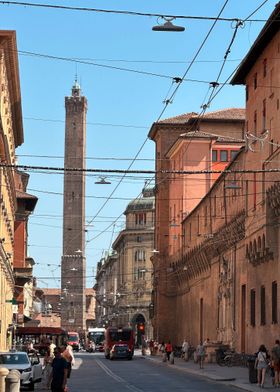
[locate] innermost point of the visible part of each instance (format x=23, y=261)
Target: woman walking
x=47, y=368
x=200, y=352
x=261, y=364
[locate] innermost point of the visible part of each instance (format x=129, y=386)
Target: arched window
x=250, y=247
x=255, y=246
x=259, y=244
x=263, y=242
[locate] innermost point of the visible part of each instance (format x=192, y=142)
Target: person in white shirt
x=52, y=347
x=185, y=349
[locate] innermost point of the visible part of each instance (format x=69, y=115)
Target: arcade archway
x=139, y=325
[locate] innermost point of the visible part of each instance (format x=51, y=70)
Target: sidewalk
x=235, y=376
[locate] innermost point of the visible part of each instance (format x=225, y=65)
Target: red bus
x=74, y=340
x=115, y=336
x=41, y=337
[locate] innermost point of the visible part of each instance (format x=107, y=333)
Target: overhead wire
x=172, y=96
x=142, y=146
x=121, y=12
x=213, y=94
x=178, y=84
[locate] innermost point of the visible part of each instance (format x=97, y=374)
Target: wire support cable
x=172, y=96
x=124, y=171
x=122, y=12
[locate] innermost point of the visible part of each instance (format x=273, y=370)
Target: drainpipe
x=234, y=295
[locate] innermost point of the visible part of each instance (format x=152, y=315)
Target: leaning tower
x=73, y=264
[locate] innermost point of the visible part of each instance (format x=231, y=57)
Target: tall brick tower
x=73, y=264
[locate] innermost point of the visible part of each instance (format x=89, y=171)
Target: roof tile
x=223, y=114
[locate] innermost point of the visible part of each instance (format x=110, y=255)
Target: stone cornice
x=8, y=43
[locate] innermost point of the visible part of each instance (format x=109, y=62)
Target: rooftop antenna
x=76, y=84
x=76, y=73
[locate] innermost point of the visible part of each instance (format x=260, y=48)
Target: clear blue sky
x=121, y=105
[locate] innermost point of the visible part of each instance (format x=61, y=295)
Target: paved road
x=93, y=372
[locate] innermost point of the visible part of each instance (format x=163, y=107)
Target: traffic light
x=141, y=327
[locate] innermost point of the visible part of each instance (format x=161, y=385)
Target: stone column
x=3, y=373
x=13, y=381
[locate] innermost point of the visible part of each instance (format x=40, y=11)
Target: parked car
x=29, y=366
x=120, y=350
x=99, y=347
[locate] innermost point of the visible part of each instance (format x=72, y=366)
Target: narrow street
x=92, y=372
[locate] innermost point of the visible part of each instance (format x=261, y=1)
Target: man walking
x=275, y=357
x=185, y=349
x=59, y=372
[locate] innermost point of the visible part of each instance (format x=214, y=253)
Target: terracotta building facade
x=184, y=144
x=23, y=263
x=11, y=136
x=223, y=282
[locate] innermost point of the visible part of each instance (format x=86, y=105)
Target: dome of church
x=145, y=202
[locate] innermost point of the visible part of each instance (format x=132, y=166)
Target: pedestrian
x=185, y=349
x=68, y=355
x=144, y=345
x=30, y=347
x=168, y=349
x=162, y=347
x=275, y=362
x=47, y=363
x=52, y=347
x=58, y=375
x=261, y=364
x=151, y=346
x=200, y=353
x=161, y=350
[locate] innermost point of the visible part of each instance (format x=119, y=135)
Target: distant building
x=106, y=289
x=50, y=311
x=124, y=279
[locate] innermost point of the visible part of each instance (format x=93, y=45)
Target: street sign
x=11, y=301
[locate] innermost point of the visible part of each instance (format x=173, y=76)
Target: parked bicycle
x=177, y=350
x=231, y=358
x=236, y=359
